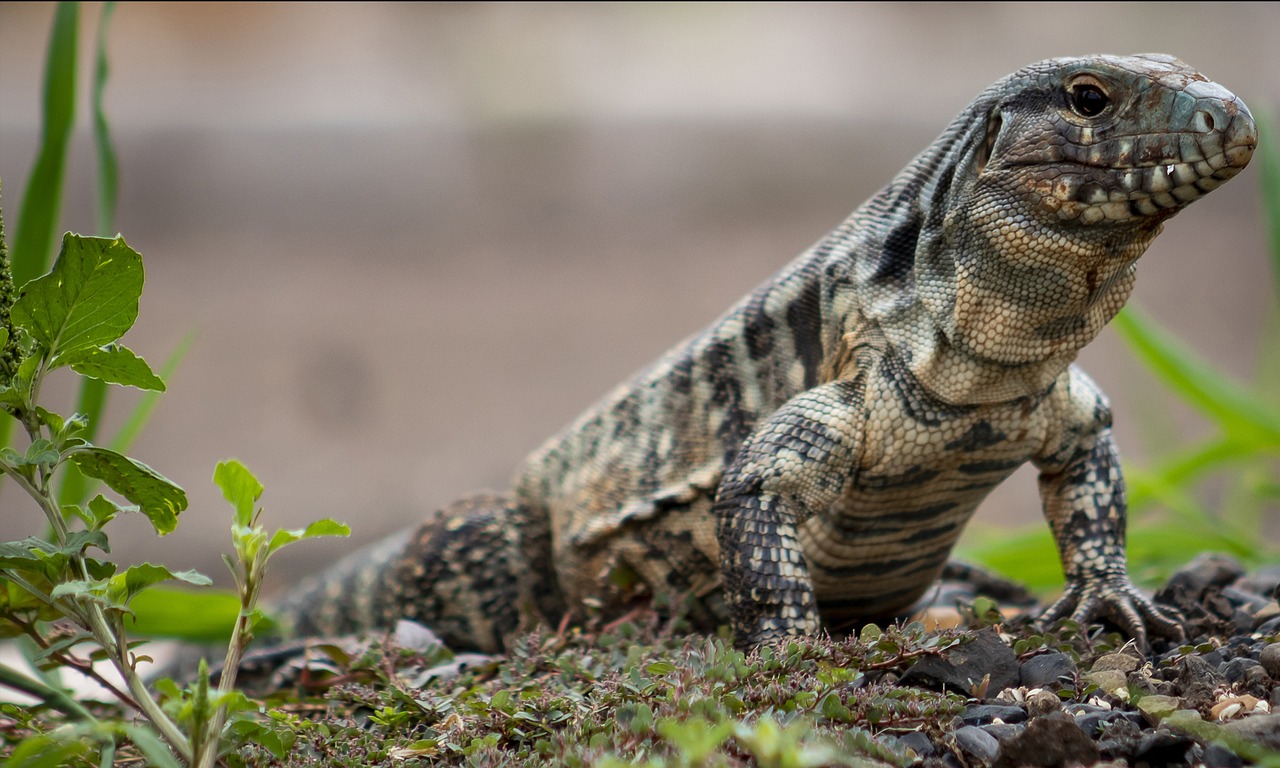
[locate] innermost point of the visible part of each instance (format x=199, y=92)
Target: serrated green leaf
x=40, y=451
x=79, y=541
x=157, y=497
x=10, y=396
x=315, y=530
x=76, y=588
x=89, y=299
x=103, y=510
x=18, y=555
x=239, y=487
x=125, y=586
x=114, y=364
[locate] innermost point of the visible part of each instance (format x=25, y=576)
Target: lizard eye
x=1088, y=100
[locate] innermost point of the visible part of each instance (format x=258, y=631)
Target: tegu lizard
x=810, y=459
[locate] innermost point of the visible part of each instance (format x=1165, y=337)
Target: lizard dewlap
x=810, y=459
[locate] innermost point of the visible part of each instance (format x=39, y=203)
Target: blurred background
x=416, y=240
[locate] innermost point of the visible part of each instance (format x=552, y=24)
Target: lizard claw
x=1114, y=598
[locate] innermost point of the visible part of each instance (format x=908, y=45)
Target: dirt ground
x=414, y=241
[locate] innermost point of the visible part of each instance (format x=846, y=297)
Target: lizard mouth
x=1123, y=178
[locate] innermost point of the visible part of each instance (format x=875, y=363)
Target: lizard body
x=810, y=459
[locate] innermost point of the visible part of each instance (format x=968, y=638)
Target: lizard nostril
x=1204, y=121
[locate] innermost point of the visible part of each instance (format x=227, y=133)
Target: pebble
x=1270, y=660
x=976, y=742
x=981, y=714
x=1048, y=669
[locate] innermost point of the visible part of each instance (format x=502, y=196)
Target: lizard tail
x=473, y=573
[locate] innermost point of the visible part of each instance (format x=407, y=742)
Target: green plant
x=73, y=317
x=1170, y=522
x=57, y=591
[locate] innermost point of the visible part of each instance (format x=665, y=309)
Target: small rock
x=1263, y=582
x=1108, y=680
x=1042, y=703
x=1198, y=680
x=1270, y=627
x=1236, y=669
x=981, y=714
x=1003, y=731
x=963, y=668
x=1163, y=748
x=1263, y=730
x=917, y=742
x=1048, y=669
x=413, y=636
x=1208, y=570
x=1218, y=756
x=1270, y=660
x=1119, y=739
x=1118, y=661
x=976, y=742
x=1157, y=708
x=1051, y=742
x=1245, y=601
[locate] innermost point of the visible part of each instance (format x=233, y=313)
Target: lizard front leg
x=1085, y=506
x=795, y=464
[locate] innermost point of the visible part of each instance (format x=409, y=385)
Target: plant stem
x=95, y=620
x=49, y=695
x=240, y=637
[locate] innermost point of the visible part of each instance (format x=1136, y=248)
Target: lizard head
x=1061, y=176
x=1115, y=140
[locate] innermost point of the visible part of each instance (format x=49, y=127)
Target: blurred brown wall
x=415, y=240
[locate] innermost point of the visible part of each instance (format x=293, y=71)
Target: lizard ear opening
x=988, y=143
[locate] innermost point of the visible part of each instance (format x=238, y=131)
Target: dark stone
x=1270, y=627
x=1236, y=669
x=982, y=714
x=1263, y=582
x=1163, y=748
x=917, y=742
x=1092, y=723
x=1208, y=570
x=1048, y=670
x=1218, y=756
x=1051, y=742
x=1263, y=730
x=1119, y=739
x=1245, y=601
x=977, y=743
x=962, y=669
x=1270, y=659
x=1003, y=731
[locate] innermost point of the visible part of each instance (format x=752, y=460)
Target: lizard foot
x=1114, y=598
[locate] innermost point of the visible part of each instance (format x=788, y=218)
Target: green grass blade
x=1269, y=175
x=1183, y=467
x=42, y=201
x=108, y=170
x=1199, y=384
x=93, y=393
x=146, y=404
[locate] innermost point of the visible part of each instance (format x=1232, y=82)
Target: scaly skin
x=810, y=459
